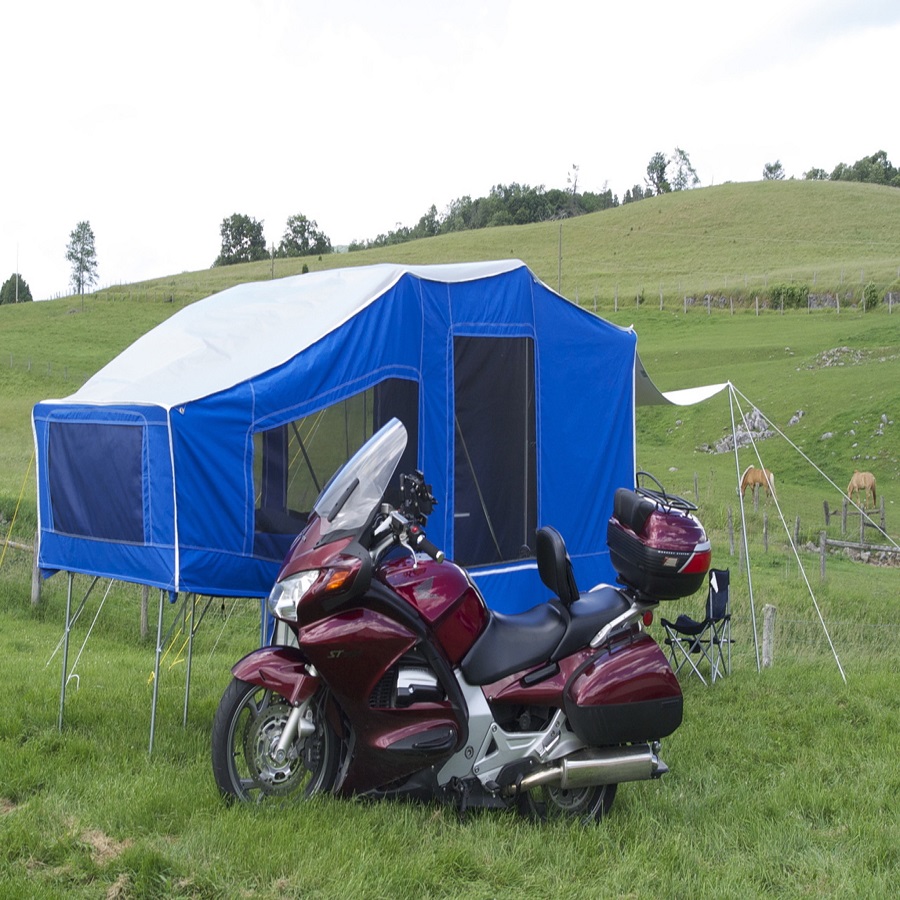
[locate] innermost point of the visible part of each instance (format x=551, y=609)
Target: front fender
x=279, y=669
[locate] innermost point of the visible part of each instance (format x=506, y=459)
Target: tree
x=429, y=224
x=685, y=176
x=242, y=241
x=83, y=257
x=303, y=238
x=656, y=174
x=815, y=175
x=9, y=294
x=876, y=169
x=773, y=171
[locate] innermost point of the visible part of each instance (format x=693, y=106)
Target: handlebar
x=395, y=528
x=418, y=541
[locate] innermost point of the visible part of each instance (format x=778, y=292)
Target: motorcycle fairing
x=279, y=669
x=352, y=650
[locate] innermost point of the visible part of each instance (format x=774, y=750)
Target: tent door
x=495, y=491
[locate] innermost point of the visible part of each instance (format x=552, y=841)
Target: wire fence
x=855, y=642
x=46, y=369
x=713, y=301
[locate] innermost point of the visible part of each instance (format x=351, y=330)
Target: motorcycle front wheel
x=246, y=730
x=588, y=804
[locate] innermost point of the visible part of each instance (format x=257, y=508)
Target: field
x=783, y=781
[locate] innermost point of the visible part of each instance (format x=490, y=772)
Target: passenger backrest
x=554, y=565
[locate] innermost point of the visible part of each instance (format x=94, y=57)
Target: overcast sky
x=156, y=121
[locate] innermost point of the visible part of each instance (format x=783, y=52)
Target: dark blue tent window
x=292, y=463
x=495, y=496
x=95, y=479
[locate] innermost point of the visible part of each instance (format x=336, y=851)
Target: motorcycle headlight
x=287, y=594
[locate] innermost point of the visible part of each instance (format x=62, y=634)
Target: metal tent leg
x=65, y=658
x=190, y=657
x=159, y=624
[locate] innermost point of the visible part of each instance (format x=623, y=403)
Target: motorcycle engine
x=405, y=685
x=416, y=685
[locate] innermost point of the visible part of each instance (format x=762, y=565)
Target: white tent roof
x=222, y=340
x=234, y=335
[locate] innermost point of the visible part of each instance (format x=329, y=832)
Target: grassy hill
x=734, y=240
x=787, y=778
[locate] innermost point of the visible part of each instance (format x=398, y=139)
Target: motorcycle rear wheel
x=246, y=729
x=545, y=803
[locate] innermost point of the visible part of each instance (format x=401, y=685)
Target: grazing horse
x=864, y=482
x=754, y=476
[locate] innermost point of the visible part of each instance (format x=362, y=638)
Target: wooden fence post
x=822, y=555
x=827, y=513
x=844, y=506
x=768, y=640
x=765, y=532
x=797, y=531
x=696, y=489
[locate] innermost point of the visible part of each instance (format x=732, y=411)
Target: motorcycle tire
x=547, y=804
x=246, y=729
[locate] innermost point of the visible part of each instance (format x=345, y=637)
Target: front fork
x=297, y=726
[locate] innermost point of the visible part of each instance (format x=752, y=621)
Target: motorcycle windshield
x=357, y=488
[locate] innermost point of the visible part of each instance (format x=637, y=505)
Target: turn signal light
x=648, y=618
x=338, y=579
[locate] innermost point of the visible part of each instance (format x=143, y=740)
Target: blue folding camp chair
x=707, y=640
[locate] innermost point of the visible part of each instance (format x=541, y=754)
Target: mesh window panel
x=96, y=482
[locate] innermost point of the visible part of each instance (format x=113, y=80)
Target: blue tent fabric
x=146, y=474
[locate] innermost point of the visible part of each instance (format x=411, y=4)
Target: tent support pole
x=159, y=624
x=190, y=657
x=65, y=658
x=733, y=400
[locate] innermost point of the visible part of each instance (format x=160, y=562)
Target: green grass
x=783, y=782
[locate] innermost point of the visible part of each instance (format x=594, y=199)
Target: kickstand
x=461, y=790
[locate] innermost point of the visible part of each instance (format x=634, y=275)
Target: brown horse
x=762, y=477
x=862, y=482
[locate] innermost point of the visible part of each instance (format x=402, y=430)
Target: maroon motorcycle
x=392, y=678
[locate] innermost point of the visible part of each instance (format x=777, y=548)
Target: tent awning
x=646, y=393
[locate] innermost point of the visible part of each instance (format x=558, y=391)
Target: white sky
x=155, y=122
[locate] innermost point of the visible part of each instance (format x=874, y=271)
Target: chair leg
x=720, y=650
x=678, y=642
x=728, y=643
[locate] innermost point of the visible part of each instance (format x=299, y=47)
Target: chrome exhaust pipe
x=638, y=762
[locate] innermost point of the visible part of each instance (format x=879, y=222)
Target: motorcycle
x=393, y=679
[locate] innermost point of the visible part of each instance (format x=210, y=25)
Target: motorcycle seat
x=587, y=615
x=511, y=643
